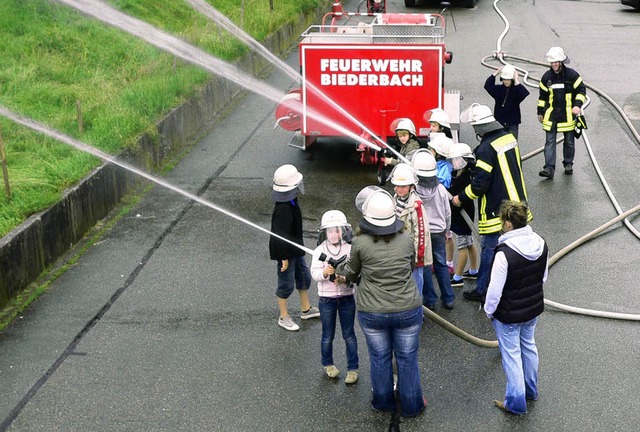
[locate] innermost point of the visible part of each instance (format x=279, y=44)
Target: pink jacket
x=326, y=288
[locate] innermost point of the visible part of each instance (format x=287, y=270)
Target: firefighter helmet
x=556, y=54
x=441, y=117
x=441, y=144
x=508, y=72
x=286, y=178
x=333, y=218
x=406, y=124
x=424, y=163
x=403, y=175
x=477, y=114
x=379, y=209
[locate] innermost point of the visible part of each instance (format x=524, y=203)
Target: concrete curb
x=45, y=237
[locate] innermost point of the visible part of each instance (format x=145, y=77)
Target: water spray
x=39, y=127
x=210, y=12
x=193, y=55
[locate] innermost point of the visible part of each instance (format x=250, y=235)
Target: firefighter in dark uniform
x=562, y=94
x=497, y=177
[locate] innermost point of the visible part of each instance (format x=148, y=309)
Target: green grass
x=53, y=56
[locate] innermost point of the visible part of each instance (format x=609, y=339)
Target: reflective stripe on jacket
x=497, y=177
x=559, y=93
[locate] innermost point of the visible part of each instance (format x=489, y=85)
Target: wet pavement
x=168, y=322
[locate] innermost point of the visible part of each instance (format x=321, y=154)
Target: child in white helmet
x=467, y=250
x=292, y=269
x=406, y=134
x=507, y=96
x=335, y=294
x=440, y=123
x=435, y=198
x=440, y=146
x=410, y=210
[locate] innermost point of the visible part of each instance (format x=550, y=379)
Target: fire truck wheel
x=409, y=3
x=468, y=3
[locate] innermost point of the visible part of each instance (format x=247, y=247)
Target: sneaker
x=448, y=305
x=288, y=323
x=568, y=169
x=332, y=371
x=457, y=283
x=467, y=275
x=313, y=312
x=430, y=307
x=352, y=377
x=546, y=173
x=473, y=295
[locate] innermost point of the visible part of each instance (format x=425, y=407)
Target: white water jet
x=53, y=133
x=191, y=54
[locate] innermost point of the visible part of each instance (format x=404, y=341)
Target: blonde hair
x=515, y=212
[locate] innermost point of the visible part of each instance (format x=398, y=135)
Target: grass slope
x=53, y=56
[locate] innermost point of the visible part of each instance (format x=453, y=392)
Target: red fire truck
x=364, y=72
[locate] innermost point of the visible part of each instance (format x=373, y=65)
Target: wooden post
x=242, y=14
x=80, y=122
x=271, y=5
x=5, y=172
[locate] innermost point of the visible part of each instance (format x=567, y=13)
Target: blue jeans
x=488, y=243
x=519, y=361
x=330, y=307
x=568, y=149
x=296, y=275
x=390, y=334
x=438, y=247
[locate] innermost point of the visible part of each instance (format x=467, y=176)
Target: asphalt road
x=169, y=321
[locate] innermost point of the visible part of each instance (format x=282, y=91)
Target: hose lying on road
x=589, y=236
x=458, y=332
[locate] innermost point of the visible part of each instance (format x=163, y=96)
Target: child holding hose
x=335, y=294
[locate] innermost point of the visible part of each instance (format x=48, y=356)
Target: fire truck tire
x=409, y=3
x=468, y=3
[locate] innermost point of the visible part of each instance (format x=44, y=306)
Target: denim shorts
x=296, y=276
x=464, y=241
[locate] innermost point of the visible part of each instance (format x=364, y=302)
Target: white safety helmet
x=459, y=155
x=334, y=228
x=424, y=164
x=403, y=175
x=461, y=150
x=406, y=124
x=508, y=72
x=379, y=209
x=477, y=114
x=441, y=144
x=441, y=117
x=286, y=178
x=556, y=54
x=333, y=218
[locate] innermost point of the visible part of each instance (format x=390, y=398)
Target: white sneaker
x=313, y=312
x=288, y=323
